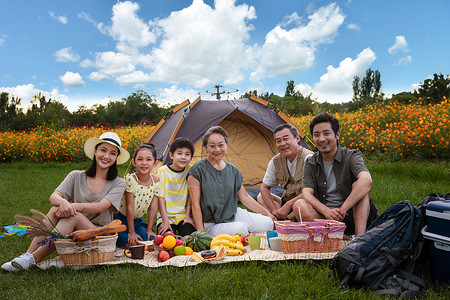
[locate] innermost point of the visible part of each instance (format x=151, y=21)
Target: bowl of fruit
x=167, y=241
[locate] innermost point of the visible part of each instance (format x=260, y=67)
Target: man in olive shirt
x=336, y=182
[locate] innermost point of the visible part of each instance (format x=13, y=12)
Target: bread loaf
x=113, y=227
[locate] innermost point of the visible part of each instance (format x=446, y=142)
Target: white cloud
x=404, y=61
x=128, y=29
x=399, y=45
x=304, y=89
x=72, y=80
x=174, y=95
x=287, y=51
x=353, y=26
x=66, y=55
x=415, y=86
x=3, y=40
x=85, y=16
x=336, y=85
x=26, y=92
x=87, y=63
x=62, y=19
x=111, y=64
x=137, y=78
x=145, y=60
x=294, y=18
x=202, y=45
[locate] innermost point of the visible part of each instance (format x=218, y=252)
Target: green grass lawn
x=27, y=185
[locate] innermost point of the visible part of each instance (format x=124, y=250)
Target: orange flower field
x=392, y=130
x=47, y=144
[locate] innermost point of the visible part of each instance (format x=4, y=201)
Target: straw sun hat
x=110, y=138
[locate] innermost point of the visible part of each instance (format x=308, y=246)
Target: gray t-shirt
x=333, y=198
x=74, y=188
x=218, y=198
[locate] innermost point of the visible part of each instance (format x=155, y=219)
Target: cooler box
x=438, y=217
x=438, y=255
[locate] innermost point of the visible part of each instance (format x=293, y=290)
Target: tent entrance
x=250, y=147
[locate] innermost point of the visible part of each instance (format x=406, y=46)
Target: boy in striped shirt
x=175, y=207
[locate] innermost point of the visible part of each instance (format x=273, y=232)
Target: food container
x=438, y=255
x=438, y=217
x=319, y=236
x=99, y=249
x=148, y=245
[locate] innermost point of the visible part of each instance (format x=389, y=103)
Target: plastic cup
x=254, y=242
x=275, y=244
x=271, y=234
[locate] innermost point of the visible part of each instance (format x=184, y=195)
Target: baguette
x=90, y=233
x=113, y=223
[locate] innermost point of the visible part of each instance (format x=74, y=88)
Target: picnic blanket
x=150, y=258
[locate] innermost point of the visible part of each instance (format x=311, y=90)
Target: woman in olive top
x=216, y=187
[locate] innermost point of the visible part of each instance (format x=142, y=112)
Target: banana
x=224, y=237
x=227, y=243
x=234, y=252
x=223, y=242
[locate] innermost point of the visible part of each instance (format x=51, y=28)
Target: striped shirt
x=176, y=192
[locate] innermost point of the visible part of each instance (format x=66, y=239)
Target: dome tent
x=249, y=122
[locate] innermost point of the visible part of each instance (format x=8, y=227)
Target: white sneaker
x=9, y=267
x=23, y=262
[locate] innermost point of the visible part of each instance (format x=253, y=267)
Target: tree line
x=141, y=108
x=365, y=91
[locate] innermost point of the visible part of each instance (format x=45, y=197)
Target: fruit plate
x=220, y=254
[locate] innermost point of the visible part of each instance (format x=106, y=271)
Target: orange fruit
x=189, y=251
x=169, y=242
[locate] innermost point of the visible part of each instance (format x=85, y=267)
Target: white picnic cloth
x=265, y=254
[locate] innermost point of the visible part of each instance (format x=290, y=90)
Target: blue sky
x=87, y=52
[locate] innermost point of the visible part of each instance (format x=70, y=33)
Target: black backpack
x=383, y=257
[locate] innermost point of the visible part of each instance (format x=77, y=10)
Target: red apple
x=179, y=242
x=158, y=239
x=163, y=256
x=168, y=233
x=161, y=246
x=244, y=242
x=171, y=253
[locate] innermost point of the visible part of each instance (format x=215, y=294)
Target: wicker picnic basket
x=92, y=251
x=319, y=236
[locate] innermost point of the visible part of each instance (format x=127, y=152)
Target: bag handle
x=405, y=288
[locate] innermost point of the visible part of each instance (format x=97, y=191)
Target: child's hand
x=165, y=226
x=149, y=234
x=188, y=219
x=133, y=238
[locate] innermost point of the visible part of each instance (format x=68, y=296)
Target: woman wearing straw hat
x=85, y=199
